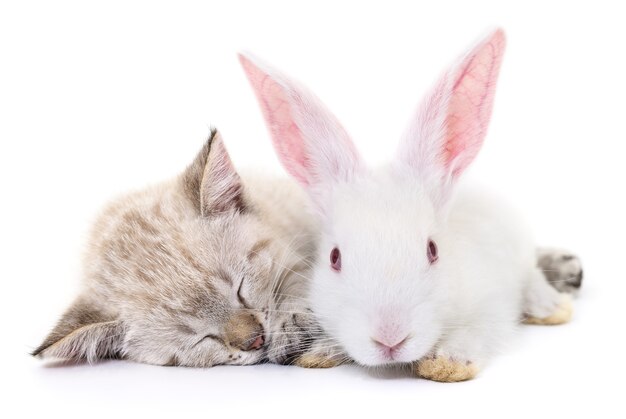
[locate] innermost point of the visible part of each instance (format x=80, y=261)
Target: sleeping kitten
x=197, y=271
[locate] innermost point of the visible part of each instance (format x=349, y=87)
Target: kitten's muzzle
x=245, y=332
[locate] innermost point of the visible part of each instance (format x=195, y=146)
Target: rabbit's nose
x=390, y=349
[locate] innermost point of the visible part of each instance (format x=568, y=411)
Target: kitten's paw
x=562, y=269
x=315, y=361
x=561, y=314
x=445, y=369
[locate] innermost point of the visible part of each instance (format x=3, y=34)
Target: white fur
x=465, y=305
x=469, y=302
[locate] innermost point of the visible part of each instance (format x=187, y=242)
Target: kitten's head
x=187, y=273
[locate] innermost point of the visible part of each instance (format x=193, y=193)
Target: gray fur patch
x=562, y=269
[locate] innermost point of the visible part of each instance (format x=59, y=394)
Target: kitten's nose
x=243, y=331
x=255, y=339
x=258, y=342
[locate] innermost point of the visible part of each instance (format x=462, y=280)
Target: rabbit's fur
x=410, y=268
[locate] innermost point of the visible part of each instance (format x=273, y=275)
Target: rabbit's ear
x=311, y=144
x=450, y=125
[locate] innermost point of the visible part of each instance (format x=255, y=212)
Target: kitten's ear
x=83, y=334
x=211, y=182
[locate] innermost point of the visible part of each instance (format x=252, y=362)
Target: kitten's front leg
x=301, y=341
x=321, y=351
x=321, y=354
x=313, y=360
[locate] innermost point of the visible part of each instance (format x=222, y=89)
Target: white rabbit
x=410, y=269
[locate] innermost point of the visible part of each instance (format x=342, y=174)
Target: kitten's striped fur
x=202, y=270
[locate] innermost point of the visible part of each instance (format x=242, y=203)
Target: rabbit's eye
x=335, y=259
x=432, y=252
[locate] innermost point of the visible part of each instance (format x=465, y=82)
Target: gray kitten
x=197, y=271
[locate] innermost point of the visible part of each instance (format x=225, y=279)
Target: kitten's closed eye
x=212, y=337
x=240, y=297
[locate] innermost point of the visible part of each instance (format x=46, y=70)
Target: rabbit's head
x=377, y=285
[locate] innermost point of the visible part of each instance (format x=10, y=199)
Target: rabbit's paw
x=446, y=369
x=312, y=360
x=562, y=269
x=562, y=314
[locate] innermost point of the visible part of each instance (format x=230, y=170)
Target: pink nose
x=389, y=350
x=258, y=342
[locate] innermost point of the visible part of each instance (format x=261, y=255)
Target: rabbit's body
x=492, y=282
x=493, y=256
x=409, y=267
x=493, y=253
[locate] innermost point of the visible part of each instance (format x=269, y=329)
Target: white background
x=97, y=99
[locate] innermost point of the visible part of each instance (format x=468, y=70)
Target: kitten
x=197, y=271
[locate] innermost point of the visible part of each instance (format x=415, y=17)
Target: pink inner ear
x=277, y=111
x=471, y=102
